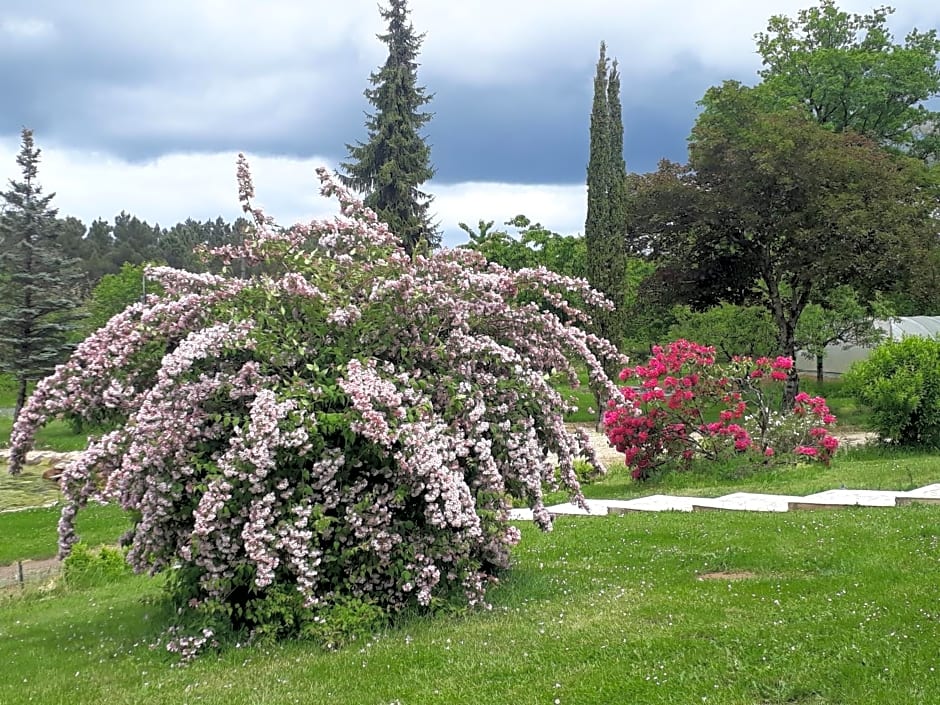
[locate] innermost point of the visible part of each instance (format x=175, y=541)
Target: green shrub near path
x=900, y=381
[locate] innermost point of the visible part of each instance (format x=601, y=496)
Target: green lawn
x=805, y=607
x=7, y=391
x=56, y=435
x=823, y=607
x=850, y=414
x=31, y=533
x=581, y=396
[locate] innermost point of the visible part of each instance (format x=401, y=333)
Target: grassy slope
x=600, y=611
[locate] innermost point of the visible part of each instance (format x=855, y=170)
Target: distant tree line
x=103, y=247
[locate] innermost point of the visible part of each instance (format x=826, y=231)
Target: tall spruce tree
x=395, y=161
x=38, y=283
x=605, y=225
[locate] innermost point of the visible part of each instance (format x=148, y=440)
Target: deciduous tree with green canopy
x=792, y=208
x=533, y=245
x=839, y=318
x=850, y=74
x=731, y=329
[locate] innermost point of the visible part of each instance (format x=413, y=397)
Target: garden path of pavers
x=744, y=502
x=737, y=501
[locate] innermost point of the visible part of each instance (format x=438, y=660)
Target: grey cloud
x=147, y=78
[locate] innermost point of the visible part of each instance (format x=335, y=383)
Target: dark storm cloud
x=538, y=133
x=139, y=80
x=105, y=82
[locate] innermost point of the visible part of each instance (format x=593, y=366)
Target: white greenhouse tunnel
x=840, y=357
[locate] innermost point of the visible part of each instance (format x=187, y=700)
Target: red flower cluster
x=682, y=405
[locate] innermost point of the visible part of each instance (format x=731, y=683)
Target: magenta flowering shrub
x=683, y=405
x=348, y=424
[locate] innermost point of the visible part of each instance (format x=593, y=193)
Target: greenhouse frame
x=839, y=357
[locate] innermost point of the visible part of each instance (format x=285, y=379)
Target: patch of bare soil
x=727, y=575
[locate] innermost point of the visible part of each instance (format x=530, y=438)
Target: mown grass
x=837, y=607
x=581, y=396
x=31, y=533
x=7, y=391
x=56, y=435
x=851, y=415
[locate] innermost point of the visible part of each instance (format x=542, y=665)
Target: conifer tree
x=606, y=198
x=38, y=284
x=617, y=188
x=392, y=165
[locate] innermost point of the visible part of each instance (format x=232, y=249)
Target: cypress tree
x=392, y=165
x=598, y=169
x=38, y=284
x=617, y=189
x=604, y=227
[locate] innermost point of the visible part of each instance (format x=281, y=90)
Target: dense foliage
x=730, y=329
x=900, y=382
x=533, y=245
x=681, y=405
x=839, y=319
x=776, y=209
x=346, y=430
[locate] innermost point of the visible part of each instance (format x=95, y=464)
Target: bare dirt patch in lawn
x=728, y=575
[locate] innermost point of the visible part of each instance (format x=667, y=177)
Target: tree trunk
x=599, y=421
x=20, y=398
x=819, y=369
x=792, y=386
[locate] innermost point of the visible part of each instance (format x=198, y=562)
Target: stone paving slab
x=596, y=507
x=922, y=495
x=847, y=498
x=655, y=503
x=520, y=514
x=748, y=502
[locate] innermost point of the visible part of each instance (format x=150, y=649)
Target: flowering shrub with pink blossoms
x=682, y=405
x=347, y=428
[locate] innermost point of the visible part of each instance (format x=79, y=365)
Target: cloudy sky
x=142, y=105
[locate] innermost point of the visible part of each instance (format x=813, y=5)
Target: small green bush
x=900, y=382
x=87, y=567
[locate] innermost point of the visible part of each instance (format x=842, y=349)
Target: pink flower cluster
x=353, y=423
x=682, y=405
